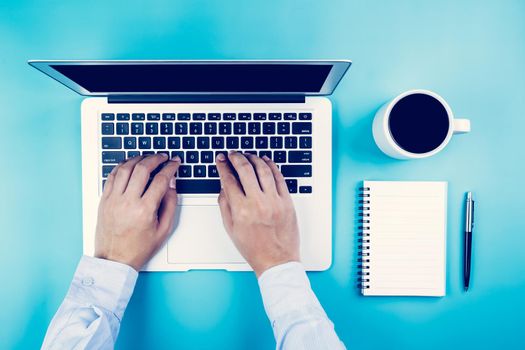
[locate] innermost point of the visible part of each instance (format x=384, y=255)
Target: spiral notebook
x=403, y=238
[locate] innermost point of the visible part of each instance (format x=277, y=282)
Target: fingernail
x=164, y=155
x=175, y=159
x=221, y=157
x=173, y=183
x=265, y=157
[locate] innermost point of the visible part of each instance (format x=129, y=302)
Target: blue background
x=469, y=51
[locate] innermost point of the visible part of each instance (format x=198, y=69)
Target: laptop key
x=137, y=128
x=210, y=128
x=305, y=189
x=296, y=170
x=122, y=128
x=195, y=128
x=138, y=116
x=174, y=142
x=108, y=129
x=188, y=142
x=290, y=142
x=166, y=128
x=152, y=129
x=106, y=169
x=198, y=186
x=254, y=152
x=283, y=128
x=192, y=157
x=207, y=157
x=276, y=142
x=184, y=171
x=212, y=171
x=275, y=116
x=122, y=116
x=147, y=153
x=132, y=154
x=279, y=156
x=265, y=153
x=225, y=128
x=239, y=128
x=245, y=116
x=221, y=152
x=214, y=116
x=159, y=142
x=107, y=116
x=259, y=116
x=290, y=116
x=168, y=116
x=300, y=156
x=268, y=128
x=199, y=116
x=203, y=142
x=164, y=152
x=183, y=116
x=111, y=143
x=305, y=142
x=153, y=116
x=130, y=142
x=305, y=116
x=181, y=128
x=292, y=185
x=199, y=170
x=302, y=128
x=261, y=142
x=113, y=156
x=144, y=142
x=178, y=153
x=228, y=116
x=217, y=142
x=246, y=142
x=254, y=128
x=232, y=142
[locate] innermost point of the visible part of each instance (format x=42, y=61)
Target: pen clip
x=472, y=216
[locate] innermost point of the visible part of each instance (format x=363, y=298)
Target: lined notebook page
x=407, y=238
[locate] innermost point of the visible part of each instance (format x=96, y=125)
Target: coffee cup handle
x=461, y=126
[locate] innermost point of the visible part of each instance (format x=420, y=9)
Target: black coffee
x=418, y=123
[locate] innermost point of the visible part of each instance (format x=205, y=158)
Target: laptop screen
x=197, y=78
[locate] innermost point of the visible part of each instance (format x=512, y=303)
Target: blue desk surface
x=472, y=52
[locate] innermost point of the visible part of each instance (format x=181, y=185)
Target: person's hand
x=133, y=223
x=258, y=211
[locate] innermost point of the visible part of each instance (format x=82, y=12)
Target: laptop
x=196, y=109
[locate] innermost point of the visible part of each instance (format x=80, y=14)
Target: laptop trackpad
x=200, y=238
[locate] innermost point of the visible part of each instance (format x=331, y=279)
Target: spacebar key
x=198, y=186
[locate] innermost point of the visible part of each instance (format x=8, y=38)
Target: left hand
x=133, y=223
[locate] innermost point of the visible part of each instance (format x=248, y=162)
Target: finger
x=123, y=174
x=226, y=212
x=108, y=185
x=246, y=173
x=167, y=209
x=264, y=174
x=142, y=172
x=161, y=183
x=229, y=182
x=282, y=189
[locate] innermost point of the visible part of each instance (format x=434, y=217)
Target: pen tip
x=466, y=288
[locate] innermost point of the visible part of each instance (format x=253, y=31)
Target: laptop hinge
x=206, y=99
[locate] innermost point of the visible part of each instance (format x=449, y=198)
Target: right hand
x=258, y=211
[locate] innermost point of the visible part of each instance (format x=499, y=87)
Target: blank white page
x=407, y=238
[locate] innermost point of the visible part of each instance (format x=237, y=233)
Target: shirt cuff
x=104, y=283
x=286, y=293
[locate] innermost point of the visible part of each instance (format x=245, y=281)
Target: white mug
x=385, y=141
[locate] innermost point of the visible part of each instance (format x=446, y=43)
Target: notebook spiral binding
x=363, y=230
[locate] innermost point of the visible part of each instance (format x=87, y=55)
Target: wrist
x=119, y=259
x=260, y=269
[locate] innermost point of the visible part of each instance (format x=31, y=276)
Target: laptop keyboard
x=197, y=138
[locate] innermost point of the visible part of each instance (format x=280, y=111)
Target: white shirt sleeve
x=298, y=319
x=90, y=315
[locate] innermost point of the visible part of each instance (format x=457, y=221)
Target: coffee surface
x=418, y=123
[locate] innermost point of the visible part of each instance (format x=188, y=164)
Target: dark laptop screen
x=209, y=77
